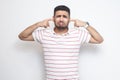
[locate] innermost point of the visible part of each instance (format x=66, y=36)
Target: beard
x=61, y=25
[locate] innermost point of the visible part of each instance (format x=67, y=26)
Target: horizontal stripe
x=63, y=75
x=61, y=51
x=56, y=37
x=50, y=45
x=64, y=48
x=70, y=77
x=61, y=63
x=61, y=59
x=61, y=67
x=61, y=71
x=62, y=79
x=60, y=55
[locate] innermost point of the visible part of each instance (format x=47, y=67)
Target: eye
x=64, y=16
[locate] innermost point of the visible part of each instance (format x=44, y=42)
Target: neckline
x=64, y=34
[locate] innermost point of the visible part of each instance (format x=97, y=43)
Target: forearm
x=95, y=35
x=28, y=31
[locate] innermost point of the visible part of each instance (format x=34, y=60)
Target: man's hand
x=78, y=23
x=44, y=23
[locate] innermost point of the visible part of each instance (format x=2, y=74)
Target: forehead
x=61, y=12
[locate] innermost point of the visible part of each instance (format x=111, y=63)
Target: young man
x=61, y=45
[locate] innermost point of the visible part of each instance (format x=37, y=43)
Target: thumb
x=72, y=20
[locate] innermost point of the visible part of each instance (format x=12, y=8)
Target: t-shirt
x=61, y=52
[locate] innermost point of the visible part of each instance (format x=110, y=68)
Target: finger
x=48, y=25
x=73, y=20
x=50, y=19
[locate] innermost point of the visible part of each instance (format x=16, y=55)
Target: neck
x=60, y=30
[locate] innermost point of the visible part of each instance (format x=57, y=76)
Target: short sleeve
x=37, y=35
x=84, y=36
x=87, y=39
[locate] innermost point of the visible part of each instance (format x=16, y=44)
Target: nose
x=61, y=18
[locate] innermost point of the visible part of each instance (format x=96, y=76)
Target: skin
x=61, y=20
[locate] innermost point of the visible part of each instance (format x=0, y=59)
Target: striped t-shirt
x=61, y=52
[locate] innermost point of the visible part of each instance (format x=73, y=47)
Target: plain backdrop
x=23, y=60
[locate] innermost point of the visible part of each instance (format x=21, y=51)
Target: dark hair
x=62, y=7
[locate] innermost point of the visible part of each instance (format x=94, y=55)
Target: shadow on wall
x=90, y=48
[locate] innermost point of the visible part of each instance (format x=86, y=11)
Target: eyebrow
x=61, y=15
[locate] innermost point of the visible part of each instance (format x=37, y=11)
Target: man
x=61, y=44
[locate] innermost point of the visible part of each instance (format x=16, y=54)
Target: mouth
x=61, y=23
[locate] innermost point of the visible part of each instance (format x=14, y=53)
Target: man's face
x=61, y=19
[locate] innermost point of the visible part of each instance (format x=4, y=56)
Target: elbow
x=25, y=38
x=96, y=41
x=100, y=41
x=21, y=37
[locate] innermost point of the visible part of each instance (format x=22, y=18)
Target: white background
x=20, y=60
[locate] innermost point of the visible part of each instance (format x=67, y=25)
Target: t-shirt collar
x=65, y=34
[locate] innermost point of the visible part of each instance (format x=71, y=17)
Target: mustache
x=60, y=22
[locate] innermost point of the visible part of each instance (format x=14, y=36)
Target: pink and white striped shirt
x=61, y=52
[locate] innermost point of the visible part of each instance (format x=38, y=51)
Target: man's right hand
x=44, y=23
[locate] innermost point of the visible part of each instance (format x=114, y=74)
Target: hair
x=63, y=8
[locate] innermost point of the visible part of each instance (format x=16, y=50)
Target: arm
x=26, y=34
x=95, y=36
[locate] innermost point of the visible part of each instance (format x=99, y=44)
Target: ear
x=53, y=18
